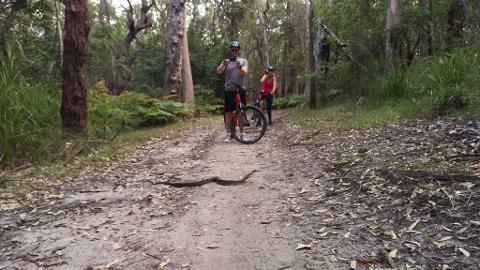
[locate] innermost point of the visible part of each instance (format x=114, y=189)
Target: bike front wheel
x=254, y=125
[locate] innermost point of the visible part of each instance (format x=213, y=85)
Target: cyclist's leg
x=269, y=107
x=264, y=102
x=228, y=117
x=229, y=108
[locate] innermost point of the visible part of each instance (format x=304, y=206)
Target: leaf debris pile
x=408, y=192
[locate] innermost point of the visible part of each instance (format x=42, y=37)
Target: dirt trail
x=317, y=200
x=123, y=221
x=224, y=230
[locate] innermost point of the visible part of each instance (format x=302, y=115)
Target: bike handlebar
x=252, y=89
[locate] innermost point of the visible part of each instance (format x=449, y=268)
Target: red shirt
x=267, y=86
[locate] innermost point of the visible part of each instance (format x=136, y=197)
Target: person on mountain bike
x=269, y=85
x=235, y=69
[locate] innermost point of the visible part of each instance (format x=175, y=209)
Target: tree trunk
x=312, y=96
x=74, y=74
x=426, y=35
x=105, y=21
x=187, y=81
x=286, y=76
x=122, y=71
x=430, y=28
x=263, y=17
x=104, y=14
x=456, y=23
x=477, y=12
x=59, y=31
x=173, y=68
x=393, y=42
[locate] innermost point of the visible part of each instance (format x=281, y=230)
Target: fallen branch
x=94, y=190
x=398, y=173
x=448, y=196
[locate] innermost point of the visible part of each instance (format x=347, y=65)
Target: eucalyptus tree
x=176, y=25
x=393, y=30
x=134, y=27
x=187, y=80
x=74, y=72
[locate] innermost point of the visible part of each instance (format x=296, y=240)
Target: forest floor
x=398, y=196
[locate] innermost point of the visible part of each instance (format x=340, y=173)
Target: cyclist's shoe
x=227, y=137
x=244, y=137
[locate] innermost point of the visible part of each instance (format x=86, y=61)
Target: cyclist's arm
x=244, y=71
x=242, y=64
x=221, y=68
x=264, y=77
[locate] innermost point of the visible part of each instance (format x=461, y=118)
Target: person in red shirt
x=269, y=85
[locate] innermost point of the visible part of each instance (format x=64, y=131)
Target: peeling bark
x=173, y=69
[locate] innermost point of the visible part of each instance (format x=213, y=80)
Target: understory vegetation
x=32, y=128
x=444, y=82
x=30, y=124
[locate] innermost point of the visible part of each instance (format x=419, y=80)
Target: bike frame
x=238, y=108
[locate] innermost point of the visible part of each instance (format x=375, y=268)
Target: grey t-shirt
x=232, y=74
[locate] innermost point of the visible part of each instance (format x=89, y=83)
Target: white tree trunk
x=187, y=81
x=392, y=46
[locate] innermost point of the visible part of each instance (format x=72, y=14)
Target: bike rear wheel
x=255, y=125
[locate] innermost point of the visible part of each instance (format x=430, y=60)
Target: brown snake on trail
x=213, y=179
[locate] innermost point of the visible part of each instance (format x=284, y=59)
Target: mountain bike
x=257, y=103
x=254, y=121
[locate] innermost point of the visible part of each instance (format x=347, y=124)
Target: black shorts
x=230, y=100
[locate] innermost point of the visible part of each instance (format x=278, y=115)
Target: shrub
x=29, y=115
x=107, y=114
x=206, y=101
x=391, y=85
x=450, y=81
x=288, y=102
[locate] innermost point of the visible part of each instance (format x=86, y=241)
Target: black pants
x=269, y=99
